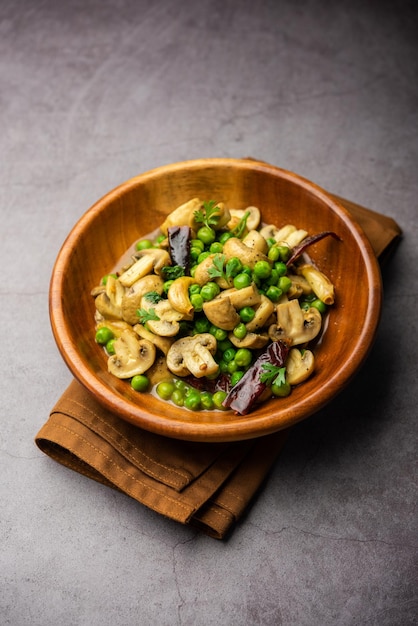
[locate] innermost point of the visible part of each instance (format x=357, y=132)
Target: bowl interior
x=139, y=206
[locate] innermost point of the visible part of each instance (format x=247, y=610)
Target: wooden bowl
x=137, y=207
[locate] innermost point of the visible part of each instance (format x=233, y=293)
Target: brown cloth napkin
x=206, y=485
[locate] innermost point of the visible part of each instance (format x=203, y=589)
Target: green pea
x=223, y=237
x=243, y=357
x=197, y=301
x=216, y=247
x=180, y=384
x=284, y=253
x=262, y=269
x=110, y=346
x=104, y=335
x=305, y=306
x=273, y=278
x=160, y=239
x=274, y=293
x=144, y=244
x=247, y=314
x=165, y=389
x=274, y=253
x=167, y=285
x=223, y=366
x=284, y=283
x=219, y=333
x=270, y=241
x=240, y=331
x=232, y=367
x=195, y=252
x=202, y=256
x=192, y=401
x=197, y=243
x=202, y=325
x=318, y=304
x=218, y=397
x=177, y=397
x=281, y=391
x=206, y=234
x=206, y=400
x=281, y=268
x=236, y=377
x=140, y=382
x=233, y=266
x=194, y=289
x=229, y=354
x=242, y=280
x=224, y=345
x=209, y=291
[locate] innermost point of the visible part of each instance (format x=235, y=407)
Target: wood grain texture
x=137, y=207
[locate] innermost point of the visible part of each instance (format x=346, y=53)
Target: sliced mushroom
x=299, y=366
x=251, y=340
x=300, y=286
x=167, y=324
x=109, y=302
x=321, y=285
x=221, y=312
x=193, y=355
x=294, y=325
x=132, y=356
x=178, y=296
x=262, y=314
x=137, y=270
x=247, y=296
x=162, y=343
x=160, y=258
x=131, y=300
x=290, y=235
x=182, y=215
x=202, y=273
x=234, y=247
x=256, y=241
x=158, y=371
x=253, y=219
x=287, y=235
x=116, y=326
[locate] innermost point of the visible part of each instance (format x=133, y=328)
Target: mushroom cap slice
x=162, y=343
x=251, y=340
x=294, y=325
x=183, y=215
x=262, y=314
x=193, y=355
x=234, y=247
x=131, y=300
x=221, y=312
x=320, y=284
x=178, y=296
x=132, y=356
x=167, y=324
x=299, y=366
x=256, y=241
x=253, y=220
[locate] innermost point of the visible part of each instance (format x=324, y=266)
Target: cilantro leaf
x=217, y=269
x=209, y=216
x=273, y=374
x=146, y=315
x=153, y=296
x=171, y=272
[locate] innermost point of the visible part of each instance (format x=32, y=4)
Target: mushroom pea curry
x=214, y=311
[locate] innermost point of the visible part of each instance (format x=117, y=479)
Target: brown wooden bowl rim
x=241, y=427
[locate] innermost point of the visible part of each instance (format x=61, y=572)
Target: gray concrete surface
x=93, y=92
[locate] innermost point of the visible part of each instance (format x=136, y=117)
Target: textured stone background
x=94, y=92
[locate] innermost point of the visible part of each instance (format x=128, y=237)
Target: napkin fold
x=205, y=485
